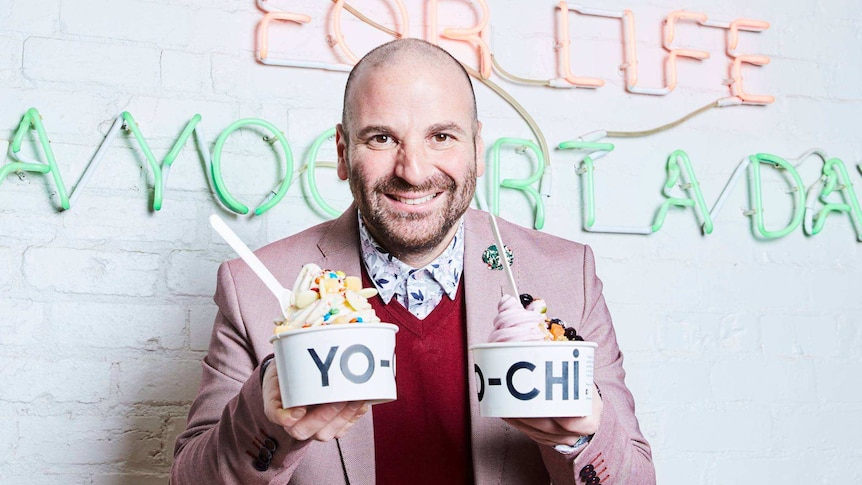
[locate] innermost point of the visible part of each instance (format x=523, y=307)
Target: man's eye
x=380, y=141
x=442, y=137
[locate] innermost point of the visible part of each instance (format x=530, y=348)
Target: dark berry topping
x=571, y=333
x=557, y=320
x=526, y=299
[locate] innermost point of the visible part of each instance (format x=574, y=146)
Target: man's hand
x=560, y=431
x=321, y=422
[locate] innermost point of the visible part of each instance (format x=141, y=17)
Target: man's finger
x=352, y=420
x=542, y=437
x=315, y=420
x=337, y=424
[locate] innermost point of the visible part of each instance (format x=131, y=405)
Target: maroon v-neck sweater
x=423, y=437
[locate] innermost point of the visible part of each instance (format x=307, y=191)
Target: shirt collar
x=389, y=273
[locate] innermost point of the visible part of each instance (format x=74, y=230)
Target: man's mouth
x=414, y=200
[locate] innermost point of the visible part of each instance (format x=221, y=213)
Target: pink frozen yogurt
x=527, y=320
x=514, y=323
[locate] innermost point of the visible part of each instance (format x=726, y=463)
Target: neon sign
x=833, y=191
x=478, y=36
x=834, y=180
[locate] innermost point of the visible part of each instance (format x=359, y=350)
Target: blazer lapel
x=482, y=290
x=339, y=248
x=339, y=245
x=357, y=451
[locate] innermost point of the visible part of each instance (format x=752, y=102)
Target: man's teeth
x=418, y=201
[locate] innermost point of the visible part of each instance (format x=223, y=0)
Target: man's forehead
x=405, y=86
x=404, y=69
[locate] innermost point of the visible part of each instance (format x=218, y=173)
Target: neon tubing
x=736, y=80
x=589, y=201
x=261, y=4
x=757, y=195
x=689, y=184
x=307, y=64
x=670, y=29
x=310, y=165
x=524, y=185
x=597, y=12
x=564, y=55
x=226, y=198
x=262, y=52
x=263, y=48
x=750, y=25
x=21, y=165
x=837, y=178
x=736, y=87
x=534, y=127
x=728, y=188
x=643, y=230
x=667, y=42
x=813, y=189
x=338, y=36
x=158, y=175
x=630, y=58
x=263, y=29
x=96, y=160
x=470, y=35
x=32, y=119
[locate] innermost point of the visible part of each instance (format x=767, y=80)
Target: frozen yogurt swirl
x=514, y=323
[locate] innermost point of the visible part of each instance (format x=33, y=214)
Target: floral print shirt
x=418, y=290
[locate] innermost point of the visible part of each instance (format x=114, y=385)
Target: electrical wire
x=503, y=73
x=534, y=127
x=358, y=14
x=634, y=134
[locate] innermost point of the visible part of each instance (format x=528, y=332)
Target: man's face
x=412, y=156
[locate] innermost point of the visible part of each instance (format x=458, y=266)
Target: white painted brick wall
x=742, y=354
x=79, y=62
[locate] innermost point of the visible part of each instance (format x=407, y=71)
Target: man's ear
x=480, y=151
x=341, y=147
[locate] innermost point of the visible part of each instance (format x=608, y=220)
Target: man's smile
x=414, y=200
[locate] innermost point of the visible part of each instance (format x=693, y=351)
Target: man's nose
x=412, y=163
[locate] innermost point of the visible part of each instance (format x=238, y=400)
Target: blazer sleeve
x=227, y=430
x=618, y=451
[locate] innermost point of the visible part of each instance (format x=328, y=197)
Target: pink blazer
x=226, y=425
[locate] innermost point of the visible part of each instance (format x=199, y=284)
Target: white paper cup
x=336, y=363
x=534, y=379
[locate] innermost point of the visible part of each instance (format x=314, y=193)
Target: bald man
x=410, y=146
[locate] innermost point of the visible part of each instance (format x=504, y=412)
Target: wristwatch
x=263, y=365
x=566, y=449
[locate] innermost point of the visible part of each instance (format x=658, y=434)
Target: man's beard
x=411, y=233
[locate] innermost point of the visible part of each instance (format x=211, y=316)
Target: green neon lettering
x=275, y=196
x=32, y=119
x=757, y=195
x=160, y=171
x=689, y=185
x=837, y=179
x=524, y=185
x=310, y=166
x=587, y=176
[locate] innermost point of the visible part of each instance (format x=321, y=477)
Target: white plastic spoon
x=501, y=249
x=281, y=293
